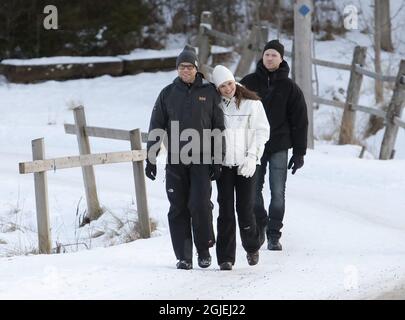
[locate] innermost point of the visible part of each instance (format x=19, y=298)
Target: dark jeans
x=188, y=189
x=277, y=163
x=245, y=188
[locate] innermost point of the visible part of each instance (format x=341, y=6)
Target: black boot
x=274, y=244
x=225, y=266
x=204, y=259
x=184, y=264
x=252, y=258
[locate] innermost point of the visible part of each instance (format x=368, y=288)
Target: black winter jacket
x=285, y=107
x=194, y=106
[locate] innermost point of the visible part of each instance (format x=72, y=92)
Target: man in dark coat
x=286, y=112
x=189, y=107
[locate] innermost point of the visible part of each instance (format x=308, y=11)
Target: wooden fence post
x=248, y=53
x=303, y=58
x=293, y=60
x=394, y=110
x=261, y=41
x=352, y=97
x=41, y=199
x=204, y=49
x=93, y=207
x=140, y=186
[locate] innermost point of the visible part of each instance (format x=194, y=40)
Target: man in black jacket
x=286, y=112
x=189, y=107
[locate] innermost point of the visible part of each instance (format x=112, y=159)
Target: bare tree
x=386, y=40
x=379, y=97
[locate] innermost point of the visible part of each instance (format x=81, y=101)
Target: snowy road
x=344, y=225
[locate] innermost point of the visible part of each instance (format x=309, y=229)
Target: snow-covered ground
x=344, y=223
x=343, y=235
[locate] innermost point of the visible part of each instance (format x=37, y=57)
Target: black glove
x=215, y=171
x=150, y=170
x=296, y=162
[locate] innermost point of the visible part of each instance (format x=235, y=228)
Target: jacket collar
x=281, y=73
x=198, y=82
x=228, y=102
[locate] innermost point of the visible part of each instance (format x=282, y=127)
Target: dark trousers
x=277, y=163
x=229, y=183
x=188, y=189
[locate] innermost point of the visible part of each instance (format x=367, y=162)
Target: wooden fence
x=39, y=166
x=392, y=117
x=252, y=48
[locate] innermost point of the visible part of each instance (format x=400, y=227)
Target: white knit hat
x=221, y=74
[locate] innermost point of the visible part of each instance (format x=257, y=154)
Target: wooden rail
x=399, y=122
x=329, y=64
x=374, y=75
x=223, y=36
x=356, y=107
x=80, y=161
x=99, y=132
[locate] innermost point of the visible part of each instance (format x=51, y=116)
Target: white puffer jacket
x=246, y=130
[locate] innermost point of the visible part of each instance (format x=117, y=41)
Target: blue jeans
x=277, y=180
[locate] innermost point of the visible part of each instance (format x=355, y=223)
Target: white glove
x=248, y=167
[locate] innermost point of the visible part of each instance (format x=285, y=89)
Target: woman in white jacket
x=246, y=132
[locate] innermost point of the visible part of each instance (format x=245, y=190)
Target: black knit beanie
x=276, y=45
x=187, y=55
